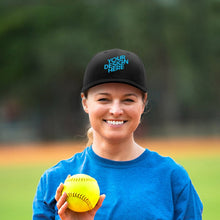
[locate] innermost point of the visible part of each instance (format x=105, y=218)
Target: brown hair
x=89, y=136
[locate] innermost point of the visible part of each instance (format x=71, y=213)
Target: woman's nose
x=116, y=109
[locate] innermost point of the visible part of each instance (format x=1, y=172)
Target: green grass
x=17, y=189
x=205, y=175
x=18, y=185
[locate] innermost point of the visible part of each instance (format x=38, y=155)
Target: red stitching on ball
x=77, y=179
x=82, y=197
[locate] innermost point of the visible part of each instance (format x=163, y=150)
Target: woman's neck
x=118, y=151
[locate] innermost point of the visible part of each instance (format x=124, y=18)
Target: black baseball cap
x=115, y=66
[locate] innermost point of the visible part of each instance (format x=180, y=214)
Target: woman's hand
x=66, y=214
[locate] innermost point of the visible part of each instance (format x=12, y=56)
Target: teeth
x=115, y=122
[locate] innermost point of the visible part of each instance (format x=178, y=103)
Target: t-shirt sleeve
x=187, y=204
x=42, y=208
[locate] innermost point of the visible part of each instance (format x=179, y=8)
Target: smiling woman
x=130, y=177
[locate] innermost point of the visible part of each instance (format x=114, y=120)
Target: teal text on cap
x=116, y=63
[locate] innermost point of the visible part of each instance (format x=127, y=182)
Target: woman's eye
x=129, y=100
x=103, y=100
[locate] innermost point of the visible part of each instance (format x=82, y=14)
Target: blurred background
x=45, y=47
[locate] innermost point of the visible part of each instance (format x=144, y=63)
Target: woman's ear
x=144, y=101
x=84, y=102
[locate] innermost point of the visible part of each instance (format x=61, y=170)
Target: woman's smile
x=115, y=123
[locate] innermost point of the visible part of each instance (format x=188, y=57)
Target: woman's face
x=114, y=110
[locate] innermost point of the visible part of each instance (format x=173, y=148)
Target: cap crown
x=115, y=65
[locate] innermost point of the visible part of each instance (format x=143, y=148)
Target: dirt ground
x=35, y=153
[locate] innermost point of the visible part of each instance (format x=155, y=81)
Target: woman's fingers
x=60, y=189
x=61, y=200
x=59, y=192
x=62, y=205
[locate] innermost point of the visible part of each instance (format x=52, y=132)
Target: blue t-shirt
x=149, y=187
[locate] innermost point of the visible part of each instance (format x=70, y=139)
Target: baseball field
x=21, y=166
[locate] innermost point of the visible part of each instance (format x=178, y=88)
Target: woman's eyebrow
x=103, y=93
x=131, y=94
x=125, y=95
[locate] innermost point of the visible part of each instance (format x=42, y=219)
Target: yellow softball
x=82, y=192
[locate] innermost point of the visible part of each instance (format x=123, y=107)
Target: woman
x=135, y=183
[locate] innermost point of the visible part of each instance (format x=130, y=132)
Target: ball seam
x=82, y=197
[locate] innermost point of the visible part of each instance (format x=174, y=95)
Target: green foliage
x=45, y=48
